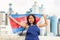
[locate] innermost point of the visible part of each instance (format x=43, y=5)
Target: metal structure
x=10, y=8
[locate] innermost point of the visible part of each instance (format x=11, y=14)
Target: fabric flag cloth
x=21, y=18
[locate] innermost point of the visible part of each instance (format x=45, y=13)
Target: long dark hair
x=34, y=23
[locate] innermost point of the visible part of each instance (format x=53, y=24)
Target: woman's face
x=31, y=19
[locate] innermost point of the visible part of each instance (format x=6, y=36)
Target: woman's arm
x=22, y=24
x=44, y=24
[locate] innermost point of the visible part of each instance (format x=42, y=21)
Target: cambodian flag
x=21, y=18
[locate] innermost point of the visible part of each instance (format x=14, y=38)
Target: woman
x=33, y=28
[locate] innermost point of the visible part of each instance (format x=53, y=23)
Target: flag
x=21, y=18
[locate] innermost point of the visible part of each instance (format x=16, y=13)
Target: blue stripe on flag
x=15, y=30
x=24, y=15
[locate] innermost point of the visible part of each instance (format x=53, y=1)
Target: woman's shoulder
x=37, y=25
x=27, y=26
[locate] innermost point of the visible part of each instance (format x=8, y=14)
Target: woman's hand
x=8, y=15
x=44, y=15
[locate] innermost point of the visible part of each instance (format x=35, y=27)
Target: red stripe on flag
x=22, y=19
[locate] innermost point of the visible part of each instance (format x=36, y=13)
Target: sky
x=51, y=7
